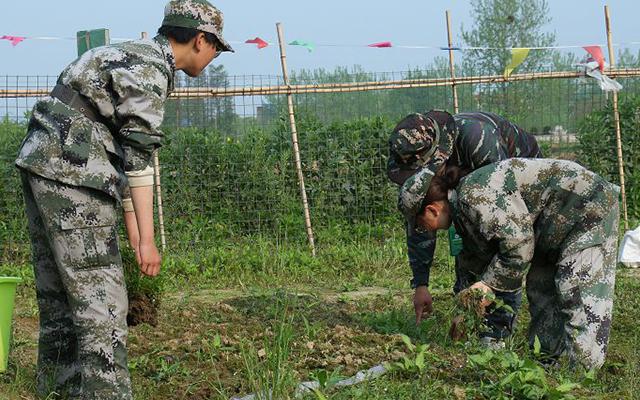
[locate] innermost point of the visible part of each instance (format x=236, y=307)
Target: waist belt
x=76, y=101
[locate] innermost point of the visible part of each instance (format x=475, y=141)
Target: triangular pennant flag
x=517, y=57
x=381, y=44
x=307, y=45
x=596, y=53
x=261, y=43
x=13, y=39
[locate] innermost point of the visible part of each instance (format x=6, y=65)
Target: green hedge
x=13, y=235
x=216, y=186
x=597, y=148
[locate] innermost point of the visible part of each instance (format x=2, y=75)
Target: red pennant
x=13, y=39
x=381, y=44
x=596, y=53
x=261, y=43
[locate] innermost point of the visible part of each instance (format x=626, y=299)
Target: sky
x=403, y=22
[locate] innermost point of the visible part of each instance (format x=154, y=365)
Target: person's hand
x=149, y=258
x=475, y=297
x=422, y=303
x=481, y=286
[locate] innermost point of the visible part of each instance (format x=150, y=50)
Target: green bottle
x=455, y=242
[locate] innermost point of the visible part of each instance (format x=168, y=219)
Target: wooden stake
x=156, y=174
x=451, y=66
x=294, y=140
x=616, y=117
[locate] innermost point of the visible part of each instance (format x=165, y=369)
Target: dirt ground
x=195, y=346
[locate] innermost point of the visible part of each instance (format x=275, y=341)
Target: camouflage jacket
x=127, y=84
x=506, y=212
x=484, y=138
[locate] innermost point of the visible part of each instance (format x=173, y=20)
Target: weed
x=416, y=360
x=504, y=375
x=326, y=380
x=268, y=370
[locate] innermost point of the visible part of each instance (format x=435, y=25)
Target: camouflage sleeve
x=141, y=92
x=508, y=227
x=478, y=146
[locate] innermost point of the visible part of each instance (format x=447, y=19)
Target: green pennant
x=307, y=45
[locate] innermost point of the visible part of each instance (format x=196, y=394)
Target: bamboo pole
x=451, y=65
x=156, y=175
x=616, y=117
x=195, y=93
x=294, y=140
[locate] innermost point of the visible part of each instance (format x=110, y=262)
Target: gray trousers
x=81, y=291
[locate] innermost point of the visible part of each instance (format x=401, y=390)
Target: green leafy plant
x=504, y=375
x=326, y=380
x=415, y=362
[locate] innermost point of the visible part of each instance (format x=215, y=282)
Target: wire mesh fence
x=227, y=167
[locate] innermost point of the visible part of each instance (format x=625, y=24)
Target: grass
x=232, y=324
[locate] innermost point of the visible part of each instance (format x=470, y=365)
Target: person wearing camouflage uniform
x=88, y=148
x=552, y=222
x=470, y=141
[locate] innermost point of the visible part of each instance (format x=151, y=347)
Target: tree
x=502, y=24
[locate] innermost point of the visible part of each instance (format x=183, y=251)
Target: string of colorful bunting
x=261, y=43
x=518, y=54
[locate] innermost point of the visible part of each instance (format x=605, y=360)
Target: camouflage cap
x=414, y=190
x=419, y=139
x=196, y=14
x=412, y=140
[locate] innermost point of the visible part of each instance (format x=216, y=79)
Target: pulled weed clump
x=144, y=293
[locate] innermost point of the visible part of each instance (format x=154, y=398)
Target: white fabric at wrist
x=127, y=205
x=140, y=178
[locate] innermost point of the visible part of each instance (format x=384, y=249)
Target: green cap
x=196, y=14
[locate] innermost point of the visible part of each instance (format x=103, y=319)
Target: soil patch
x=142, y=309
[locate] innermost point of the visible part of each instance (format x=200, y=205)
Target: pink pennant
x=261, y=43
x=381, y=44
x=596, y=53
x=13, y=39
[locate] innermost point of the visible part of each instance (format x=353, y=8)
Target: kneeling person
x=550, y=221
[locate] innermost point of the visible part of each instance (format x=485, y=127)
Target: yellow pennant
x=517, y=57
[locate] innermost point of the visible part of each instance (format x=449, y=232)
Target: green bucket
x=455, y=242
x=7, y=296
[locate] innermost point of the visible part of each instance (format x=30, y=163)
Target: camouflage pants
x=571, y=304
x=421, y=249
x=80, y=289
